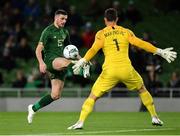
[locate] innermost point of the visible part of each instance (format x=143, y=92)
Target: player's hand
x=80, y=64
x=86, y=70
x=167, y=54
x=42, y=67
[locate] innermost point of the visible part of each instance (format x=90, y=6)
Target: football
x=71, y=52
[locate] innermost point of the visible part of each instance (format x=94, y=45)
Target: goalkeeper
x=114, y=40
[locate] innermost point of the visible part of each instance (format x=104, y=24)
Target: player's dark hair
x=111, y=14
x=60, y=11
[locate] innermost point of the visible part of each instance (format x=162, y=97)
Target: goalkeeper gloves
x=167, y=54
x=79, y=65
x=86, y=70
x=82, y=63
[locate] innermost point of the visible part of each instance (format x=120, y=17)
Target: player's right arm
x=39, y=50
x=167, y=53
x=39, y=56
x=140, y=43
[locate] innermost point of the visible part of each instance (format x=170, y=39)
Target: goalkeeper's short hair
x=111, y=14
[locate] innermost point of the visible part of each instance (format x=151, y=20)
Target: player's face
x=60, y=20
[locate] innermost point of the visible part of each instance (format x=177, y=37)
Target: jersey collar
x=55, y=28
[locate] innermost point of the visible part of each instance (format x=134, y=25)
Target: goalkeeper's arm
x=167, y=53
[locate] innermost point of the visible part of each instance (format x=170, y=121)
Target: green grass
x=106, y=123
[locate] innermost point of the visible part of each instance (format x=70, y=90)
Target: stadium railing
x=84, y=92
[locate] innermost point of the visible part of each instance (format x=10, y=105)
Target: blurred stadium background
x=21, y=21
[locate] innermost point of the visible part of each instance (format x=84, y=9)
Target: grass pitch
x=98, y=123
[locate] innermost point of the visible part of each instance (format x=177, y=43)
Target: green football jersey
x=54, y=40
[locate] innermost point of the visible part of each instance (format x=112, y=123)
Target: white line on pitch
x=113, y=131
x=74, y=132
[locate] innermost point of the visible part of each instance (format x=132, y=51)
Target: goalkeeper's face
x=60, y=20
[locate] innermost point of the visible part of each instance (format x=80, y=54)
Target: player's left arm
x=167, y=53
x=97, y=45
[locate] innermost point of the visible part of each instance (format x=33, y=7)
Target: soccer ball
x=71, y=52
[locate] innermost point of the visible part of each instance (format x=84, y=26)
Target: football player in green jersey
x=52, y=42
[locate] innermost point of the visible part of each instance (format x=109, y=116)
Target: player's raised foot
x=78, y=125
x=31, y=114
x=156, y=121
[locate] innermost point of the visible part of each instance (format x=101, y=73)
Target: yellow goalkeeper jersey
x=114, y=41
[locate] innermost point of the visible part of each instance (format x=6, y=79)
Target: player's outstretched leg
x=156, y=121
x=31, y=114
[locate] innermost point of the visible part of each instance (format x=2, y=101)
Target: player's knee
x=142, y=89
x=60, y=63
x=57, y=66
x=55, y=96
x=92, y=96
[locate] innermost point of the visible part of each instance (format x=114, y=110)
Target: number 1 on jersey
x=116, y=43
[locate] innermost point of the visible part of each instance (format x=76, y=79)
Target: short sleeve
x=43, y=39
